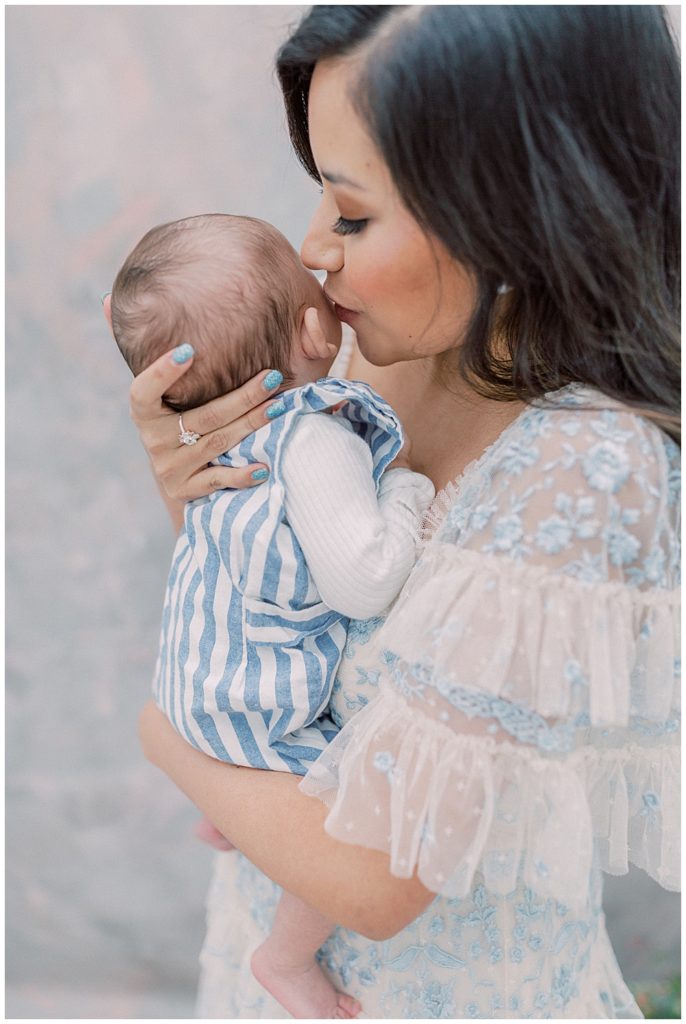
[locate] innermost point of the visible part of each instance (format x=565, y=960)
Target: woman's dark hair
x=540, y=144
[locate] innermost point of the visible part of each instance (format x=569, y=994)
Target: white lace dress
x=510, y=730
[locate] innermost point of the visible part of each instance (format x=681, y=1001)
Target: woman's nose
x=321, y=249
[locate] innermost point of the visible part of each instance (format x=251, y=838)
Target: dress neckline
x=448, y=495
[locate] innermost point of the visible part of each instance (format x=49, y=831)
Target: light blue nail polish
x=260, y=474
x=183, y=353
x=103, y=297
x=277, y=409
x=272, y=380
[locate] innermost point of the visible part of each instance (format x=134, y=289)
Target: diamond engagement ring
x=187, y=436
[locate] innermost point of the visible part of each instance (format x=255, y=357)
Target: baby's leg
x=206, y=831
x=285, y=964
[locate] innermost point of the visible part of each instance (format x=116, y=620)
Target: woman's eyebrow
x=340, y=179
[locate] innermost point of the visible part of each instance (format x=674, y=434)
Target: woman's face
x=401, y=291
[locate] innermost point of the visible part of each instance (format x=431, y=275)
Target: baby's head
x=236, y=290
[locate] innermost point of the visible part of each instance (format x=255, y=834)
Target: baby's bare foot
x=303, y=989
x=206, y=831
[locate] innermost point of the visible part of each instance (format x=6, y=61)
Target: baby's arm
x=359, y=546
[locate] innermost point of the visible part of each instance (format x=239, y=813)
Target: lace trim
x=524, y=724
x=548, y=642
x=436, y=512
x=449, y=495
x=580, y=758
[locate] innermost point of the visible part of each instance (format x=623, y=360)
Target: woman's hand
x=182, y=470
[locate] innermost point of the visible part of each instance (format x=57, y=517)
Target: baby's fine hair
x=225, y=284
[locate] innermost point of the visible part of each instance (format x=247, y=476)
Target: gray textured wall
x=119, y=118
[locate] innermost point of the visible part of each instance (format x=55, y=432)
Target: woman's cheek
x=377, y=290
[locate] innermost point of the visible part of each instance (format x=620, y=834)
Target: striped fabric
x=248, y=650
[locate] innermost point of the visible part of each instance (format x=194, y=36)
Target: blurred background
x=119, y=118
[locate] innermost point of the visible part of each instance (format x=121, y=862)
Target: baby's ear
x=312, y=338
x=107, y=308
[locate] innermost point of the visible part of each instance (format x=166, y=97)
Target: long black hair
x=540, y=144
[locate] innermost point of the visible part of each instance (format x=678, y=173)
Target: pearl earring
x=503, y=288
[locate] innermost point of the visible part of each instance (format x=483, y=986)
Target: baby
x=264, y=580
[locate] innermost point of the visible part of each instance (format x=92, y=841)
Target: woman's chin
x=375, y=355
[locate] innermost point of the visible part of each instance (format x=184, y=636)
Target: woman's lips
x=342, y=312
x=346, y=316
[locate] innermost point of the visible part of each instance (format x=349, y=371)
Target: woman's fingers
x=183, y=470
x=230, y=433
x=149, y=386
x=244, y=405
x=217, y=478
x=174, y=460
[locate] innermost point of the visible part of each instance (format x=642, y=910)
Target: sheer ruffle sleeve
x=527, y=715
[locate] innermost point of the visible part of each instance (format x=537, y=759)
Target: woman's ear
x=312, y=338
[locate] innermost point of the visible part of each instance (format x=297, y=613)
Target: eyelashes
x=343, y=226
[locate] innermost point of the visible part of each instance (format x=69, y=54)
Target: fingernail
x=272, y=380
x=182, y=354
x=103, y=297
x=275, y=410
x=260, y=474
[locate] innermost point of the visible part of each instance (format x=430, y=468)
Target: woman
x=498, y=224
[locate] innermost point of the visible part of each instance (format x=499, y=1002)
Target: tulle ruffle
x=449, y=805
x=545, y=640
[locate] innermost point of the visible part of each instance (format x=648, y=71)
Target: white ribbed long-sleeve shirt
x=360, y=546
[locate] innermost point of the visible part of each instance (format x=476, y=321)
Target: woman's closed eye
x=345, y=226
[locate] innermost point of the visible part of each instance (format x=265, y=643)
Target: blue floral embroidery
x=564, y=987
x=360, y=632
x=623, y=547
x=570, y=427
x=507, y=533
x=437, y=1000
x=573, y=673
x=674, y=478
x=521, y=722
x=553, y=535
x=651, y=805
x=384, y=762
x=588, y=568
x=481, y=515
x=570, y=506
x=653, y=565
x=518, y=456
x=571, y=521
x=436, y=925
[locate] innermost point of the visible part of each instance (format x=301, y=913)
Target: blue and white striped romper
x=248, y=650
